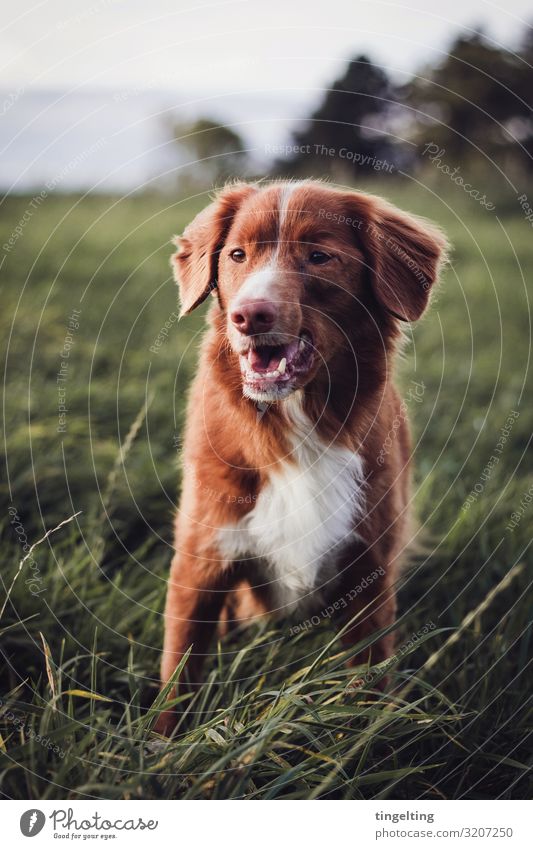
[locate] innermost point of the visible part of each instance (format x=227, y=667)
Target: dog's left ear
x=195, y=265
x=404, y=254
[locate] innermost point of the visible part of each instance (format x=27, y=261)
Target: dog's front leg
x=196, y=592
x=369, y=592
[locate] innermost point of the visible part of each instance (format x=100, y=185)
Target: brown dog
x=296, y=471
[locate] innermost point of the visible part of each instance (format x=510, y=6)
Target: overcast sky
x=230, y=45
x=91, y=88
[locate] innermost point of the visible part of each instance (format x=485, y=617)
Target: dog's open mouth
x=267, y=366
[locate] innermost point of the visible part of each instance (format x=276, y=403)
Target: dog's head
x=301, y=271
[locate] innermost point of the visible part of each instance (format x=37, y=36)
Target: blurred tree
x=214, y=153
x=348, y=131
x=480, y=97
x=525, y=131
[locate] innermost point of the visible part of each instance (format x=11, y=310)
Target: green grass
x=276, y=717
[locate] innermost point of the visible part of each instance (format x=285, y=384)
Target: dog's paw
x=165, y=723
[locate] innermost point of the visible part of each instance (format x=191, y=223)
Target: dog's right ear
x=195, y=265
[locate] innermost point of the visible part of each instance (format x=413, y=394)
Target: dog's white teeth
x=282, y=366
x=301, y=346
x=255, y=375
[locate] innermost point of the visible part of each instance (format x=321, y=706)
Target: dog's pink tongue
x=268, y=357
x=259, y=358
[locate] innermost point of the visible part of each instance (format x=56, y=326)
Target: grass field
x=82, y=628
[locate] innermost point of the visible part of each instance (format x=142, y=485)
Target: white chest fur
x=307, y=510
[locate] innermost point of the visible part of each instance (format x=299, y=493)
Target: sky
x=230, y=45
x=90, y=89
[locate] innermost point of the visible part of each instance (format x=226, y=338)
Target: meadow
x=95, y=380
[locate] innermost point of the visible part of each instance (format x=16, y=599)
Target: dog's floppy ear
x=195, y=265
x=404, y=254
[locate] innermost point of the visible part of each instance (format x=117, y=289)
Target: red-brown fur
x=385, y=263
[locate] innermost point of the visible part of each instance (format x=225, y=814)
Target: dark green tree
x=478, y=99
x=349, y=127
x=214, y=153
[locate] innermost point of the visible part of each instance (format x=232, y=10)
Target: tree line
x=473, y=108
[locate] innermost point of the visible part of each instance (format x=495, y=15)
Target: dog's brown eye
x=238, y=255
x=319, y=257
